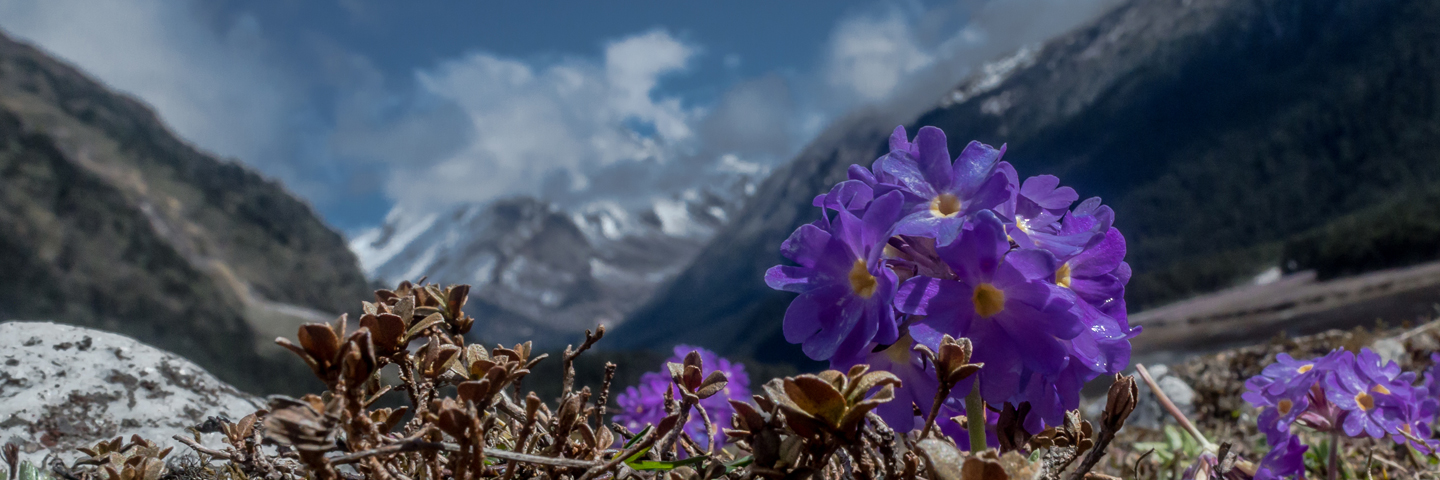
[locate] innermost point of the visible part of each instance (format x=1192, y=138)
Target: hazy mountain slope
x=719, y=300
x=1216, y=129
x=110, y=221
x=543, y=273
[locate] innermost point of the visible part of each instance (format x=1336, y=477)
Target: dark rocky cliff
x=1217, y=129
x=108, y=220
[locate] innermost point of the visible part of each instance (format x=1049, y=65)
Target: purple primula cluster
x=922, y=245
x=644, y=404
x=1339, y=393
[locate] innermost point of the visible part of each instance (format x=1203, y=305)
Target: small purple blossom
x=1373, y=395
x=1285, y=459
x=1357, y=395
x=845, y=289
x=644, y=404
x=940, y=194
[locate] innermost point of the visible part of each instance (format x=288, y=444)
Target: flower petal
x=934, y=158
x=974, y=165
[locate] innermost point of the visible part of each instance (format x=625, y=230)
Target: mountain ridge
x=1217, y=129
x=114, y=222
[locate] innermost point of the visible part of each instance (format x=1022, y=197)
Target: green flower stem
x=1332, y=470
x=975, y=419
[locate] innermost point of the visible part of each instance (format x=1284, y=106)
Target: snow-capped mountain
x=542, y=272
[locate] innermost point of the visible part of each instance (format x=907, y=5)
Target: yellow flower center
x=1365, y=401
x=1022, y=223
x=945, y=205
x=1285, y=405
x=988, y=300
x=1305, y=368
x=861, y=281
x=1380, y=389
x=1062, y=275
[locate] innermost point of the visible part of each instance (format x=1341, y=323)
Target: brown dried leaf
x=816, y=397
x=713, y=384
x=320, y=342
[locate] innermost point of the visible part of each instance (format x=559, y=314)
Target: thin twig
x=670, y=438
x=1172, y=409
x=201, y=448
x=1097, y=451
x=1416, y=331
x=622, y=456
x=568, y=382
x=940, y=396
x=602, y=401
x=410, y=446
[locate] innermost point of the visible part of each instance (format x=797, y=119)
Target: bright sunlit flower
x=921, y=245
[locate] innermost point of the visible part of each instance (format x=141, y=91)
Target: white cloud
x=904, y=57
x=869, y=56
x=533, y=125
x=482, y=126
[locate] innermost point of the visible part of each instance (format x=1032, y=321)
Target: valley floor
x=1291, y=305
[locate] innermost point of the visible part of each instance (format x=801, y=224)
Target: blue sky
x=360, y=106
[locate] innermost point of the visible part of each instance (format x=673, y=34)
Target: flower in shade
x=644, y=404
x=918, y=382
x=940, y=194
x=952, y=411
x=1286, y=459
x=1372, y=394
x=845, y=289
x=1432, y=378
x=1002, y=301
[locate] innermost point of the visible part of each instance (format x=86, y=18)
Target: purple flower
x=644, y=404
x=1372, y=395
x=955, y=407
x=940, y=195
x=921, y=245
x=918, y=382
x=1290, y=391
x=845, y=289
x=1286, y=459
x=999, y=299
x=1432, y=377
x=1094, y=277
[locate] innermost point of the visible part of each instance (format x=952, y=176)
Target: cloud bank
x=479, y=126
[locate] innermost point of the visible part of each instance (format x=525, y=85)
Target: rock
x=1179, y=392
x=1158, y=371
x=1390, y=350
x=63, y=387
